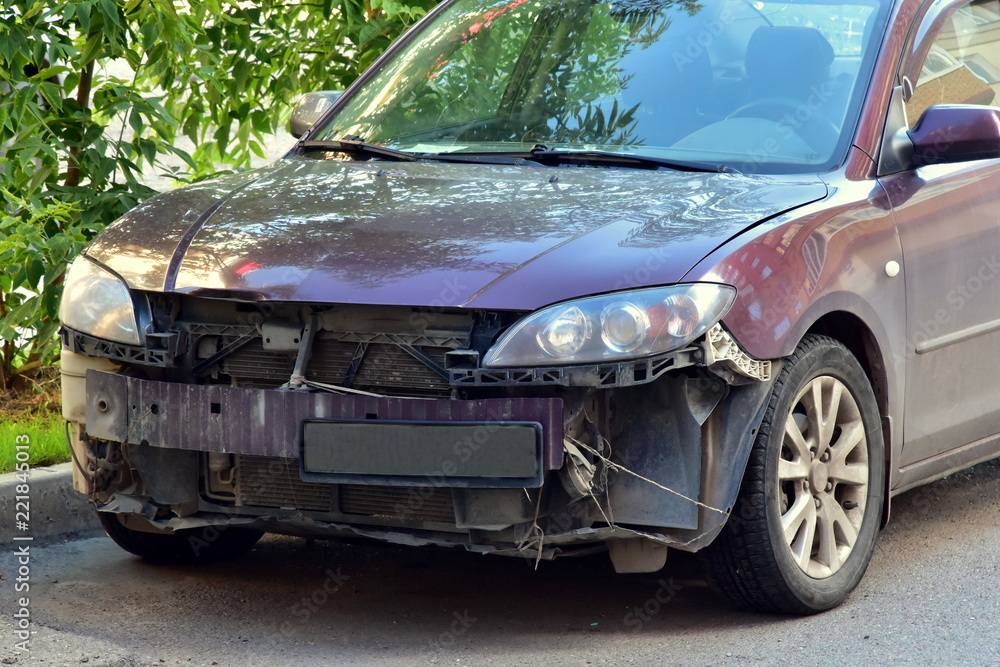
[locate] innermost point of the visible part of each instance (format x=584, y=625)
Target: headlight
x=613, y=327
x=96, y=302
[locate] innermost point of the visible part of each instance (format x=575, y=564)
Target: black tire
x=829, y=488
x=188, y=546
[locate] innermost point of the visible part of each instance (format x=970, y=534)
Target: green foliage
x=222, y=72
x=514, y=71
x=591, y=125
x=43, y=432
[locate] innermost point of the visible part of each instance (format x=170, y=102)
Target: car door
x=948, y=217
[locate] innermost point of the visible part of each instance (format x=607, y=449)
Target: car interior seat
x=670, y=87
x=788, y=79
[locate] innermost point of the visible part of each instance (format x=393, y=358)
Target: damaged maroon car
x=564, y=275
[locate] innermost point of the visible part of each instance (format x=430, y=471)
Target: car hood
x=437, y=234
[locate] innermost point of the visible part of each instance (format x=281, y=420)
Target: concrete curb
x=55, y=508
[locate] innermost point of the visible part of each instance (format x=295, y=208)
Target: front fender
x=728, y=436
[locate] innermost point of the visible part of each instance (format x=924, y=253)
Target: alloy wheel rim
x=823, y=477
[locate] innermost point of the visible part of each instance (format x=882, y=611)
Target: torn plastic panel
x=680, y=496
x=572, y=543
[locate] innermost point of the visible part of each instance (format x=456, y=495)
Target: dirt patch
x=43, y=397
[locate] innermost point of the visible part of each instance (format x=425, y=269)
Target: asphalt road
x=931, y=596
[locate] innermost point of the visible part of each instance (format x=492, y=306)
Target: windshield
x=751, y=86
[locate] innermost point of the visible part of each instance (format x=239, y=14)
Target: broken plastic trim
x=553, y=545
x=717, y=350
x=618, y=374
x=91, y=346
x=720, y=348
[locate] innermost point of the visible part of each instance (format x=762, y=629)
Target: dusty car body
x=734, y=326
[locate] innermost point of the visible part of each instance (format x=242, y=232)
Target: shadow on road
x=291, y=595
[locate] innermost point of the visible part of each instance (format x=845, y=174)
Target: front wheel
x=804, y=525
x=188, y=546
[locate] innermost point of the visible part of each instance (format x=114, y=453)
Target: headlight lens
x=614, y=327
x=624, y=326
x=96, y=302
x=565, y=334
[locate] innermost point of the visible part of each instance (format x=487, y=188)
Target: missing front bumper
x=493, y=443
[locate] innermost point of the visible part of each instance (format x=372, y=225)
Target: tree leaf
x=214, y=71
x=91, y=49
x=34, y=272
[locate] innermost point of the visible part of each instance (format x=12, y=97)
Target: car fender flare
x=727, y=438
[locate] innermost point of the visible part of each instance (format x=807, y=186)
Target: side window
x=963, y=64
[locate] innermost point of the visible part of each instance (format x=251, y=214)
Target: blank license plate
x=482, y=454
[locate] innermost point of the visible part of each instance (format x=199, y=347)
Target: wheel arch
x=856, y=336
x=852, y=331
x=779, y=557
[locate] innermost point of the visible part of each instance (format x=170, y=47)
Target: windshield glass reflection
x=757, y=86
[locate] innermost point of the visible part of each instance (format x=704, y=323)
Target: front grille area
x=253, y=367
x=384, y=368
x=263, y=481
x=388, y=369
x=398, y=502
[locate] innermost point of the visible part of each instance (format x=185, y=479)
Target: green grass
x=46, y=439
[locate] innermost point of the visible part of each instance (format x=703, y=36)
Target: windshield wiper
x=357, y=148
x=540, y=154
x=608, y=158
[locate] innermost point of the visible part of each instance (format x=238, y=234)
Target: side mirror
x=309, y=108
x=949, y=133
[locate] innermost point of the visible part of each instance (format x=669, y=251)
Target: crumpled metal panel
x=268, y=422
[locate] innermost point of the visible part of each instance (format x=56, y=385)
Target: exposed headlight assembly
x=613, y=327
x=97, y=302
